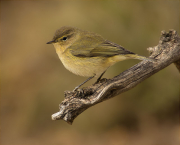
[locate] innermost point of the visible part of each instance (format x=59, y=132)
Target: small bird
x=88, y=54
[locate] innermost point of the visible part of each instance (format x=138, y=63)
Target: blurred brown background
x=33, y=80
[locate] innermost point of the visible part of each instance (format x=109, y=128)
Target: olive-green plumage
x=86, y=53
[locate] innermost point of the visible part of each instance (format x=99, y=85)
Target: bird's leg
x=99, y=77
x=82, y=83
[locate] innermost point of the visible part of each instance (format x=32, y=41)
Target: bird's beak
x=50, y=42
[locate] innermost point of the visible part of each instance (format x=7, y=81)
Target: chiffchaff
x=88, y=54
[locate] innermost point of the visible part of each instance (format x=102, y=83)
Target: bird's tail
x=135, y=56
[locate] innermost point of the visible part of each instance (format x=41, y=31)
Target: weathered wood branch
x=165, y=53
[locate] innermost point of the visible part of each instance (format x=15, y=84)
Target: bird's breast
x=83, y=66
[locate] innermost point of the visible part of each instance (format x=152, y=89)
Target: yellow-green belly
x=87, y=66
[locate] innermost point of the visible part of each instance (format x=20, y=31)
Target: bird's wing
x=97, y=48
x=108, y=48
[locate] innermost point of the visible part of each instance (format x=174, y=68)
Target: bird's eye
x=64, y=38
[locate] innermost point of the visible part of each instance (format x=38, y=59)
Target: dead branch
x=165, y=53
